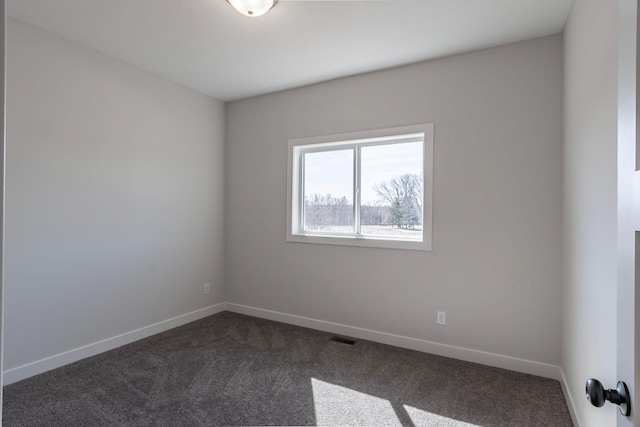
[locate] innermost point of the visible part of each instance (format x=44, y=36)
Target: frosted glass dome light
x=253, y=8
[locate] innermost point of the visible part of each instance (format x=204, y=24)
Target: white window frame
x=297, y=148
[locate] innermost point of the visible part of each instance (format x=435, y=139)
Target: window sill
x=366, y=242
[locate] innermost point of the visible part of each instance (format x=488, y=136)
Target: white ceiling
x=208, y=46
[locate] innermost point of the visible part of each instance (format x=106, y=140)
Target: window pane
x=328, y=191
x=392, y=191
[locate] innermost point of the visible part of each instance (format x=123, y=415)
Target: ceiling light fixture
x=253, y=8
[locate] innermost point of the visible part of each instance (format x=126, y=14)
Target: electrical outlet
x=207, y=288
x=442, y=318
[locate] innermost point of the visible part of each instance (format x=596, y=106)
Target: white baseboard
x=490, y=359
x=460, y=353
x=569, y=399
x=34, y=368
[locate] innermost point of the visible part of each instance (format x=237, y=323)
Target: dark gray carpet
x=231, y=369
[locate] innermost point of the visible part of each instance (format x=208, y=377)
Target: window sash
x=301, y=151
x=373, y=240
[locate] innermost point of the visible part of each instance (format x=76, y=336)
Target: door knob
x=597, y=394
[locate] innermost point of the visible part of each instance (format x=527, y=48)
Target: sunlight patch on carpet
x=336, y=405
x=424, y=418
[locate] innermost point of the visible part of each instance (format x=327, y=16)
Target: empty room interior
x=403, y=212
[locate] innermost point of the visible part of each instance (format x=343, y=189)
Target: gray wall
x=114, y=197
x=590, y=193
x=495, y=267
x=3, y=27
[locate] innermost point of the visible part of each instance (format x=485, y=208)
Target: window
x=370, y=188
